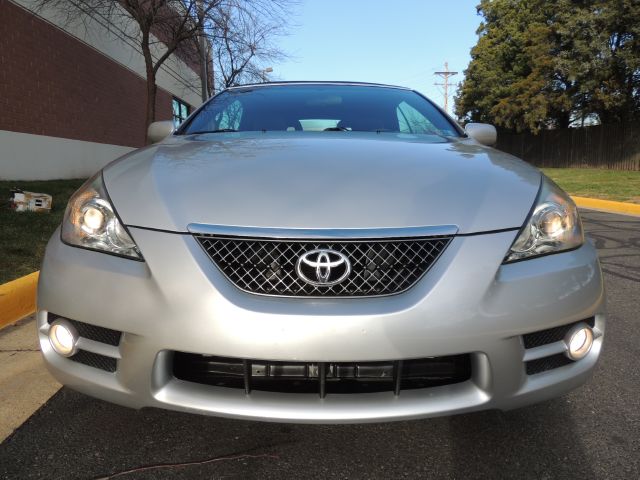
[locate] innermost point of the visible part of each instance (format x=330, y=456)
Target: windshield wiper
x=219, y=130
x=337, y=129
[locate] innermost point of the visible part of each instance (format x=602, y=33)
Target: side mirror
x=159, y=130
x=482, y=133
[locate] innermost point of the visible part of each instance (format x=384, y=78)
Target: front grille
x=551, y=335
x=321, y=378
x=378, y=267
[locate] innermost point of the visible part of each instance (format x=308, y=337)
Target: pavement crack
x=160, y=466
x=2, y=350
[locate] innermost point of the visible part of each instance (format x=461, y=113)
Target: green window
x=229, y=118
x=180, y=111
x=411, y=120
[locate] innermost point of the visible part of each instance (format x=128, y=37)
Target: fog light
x=579, y=341
x=63, y=337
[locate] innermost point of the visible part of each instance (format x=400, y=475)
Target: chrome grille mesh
x=268, y=267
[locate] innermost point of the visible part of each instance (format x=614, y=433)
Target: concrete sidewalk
x=25, y=383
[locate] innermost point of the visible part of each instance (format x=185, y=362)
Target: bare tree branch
x=243, y=37
x=240, y=33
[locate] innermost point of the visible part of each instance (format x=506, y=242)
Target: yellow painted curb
x=18, y=299
x=608, y=205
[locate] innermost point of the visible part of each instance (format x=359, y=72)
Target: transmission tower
x=445, y=76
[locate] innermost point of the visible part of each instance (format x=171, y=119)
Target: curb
x=608, y=205
x=18, y=299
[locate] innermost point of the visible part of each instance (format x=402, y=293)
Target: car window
x=320, y=107
x=411, y=120
x=229, y=117
x=318, y=124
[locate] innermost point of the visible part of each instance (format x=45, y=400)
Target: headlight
x=90, y=221
x=552, y=226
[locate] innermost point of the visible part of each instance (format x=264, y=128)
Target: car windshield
x=317, y=107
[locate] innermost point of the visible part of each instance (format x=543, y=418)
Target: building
x=73, y=96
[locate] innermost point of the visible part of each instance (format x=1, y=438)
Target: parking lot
x=594, y=432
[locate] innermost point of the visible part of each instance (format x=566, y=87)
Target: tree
x=161, y=28
x=158, y=27
x=510, y=80
x=543, y=64
x=600, y=51
x=243, y=44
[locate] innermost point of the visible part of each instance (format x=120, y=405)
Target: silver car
x=321, y=252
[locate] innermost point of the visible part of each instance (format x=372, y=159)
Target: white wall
x=37, y=157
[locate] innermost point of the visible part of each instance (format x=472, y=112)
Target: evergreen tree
x=542, y=64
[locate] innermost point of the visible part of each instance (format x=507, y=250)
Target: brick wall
x=53, y=84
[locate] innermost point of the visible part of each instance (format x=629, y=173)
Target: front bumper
x=179, y=301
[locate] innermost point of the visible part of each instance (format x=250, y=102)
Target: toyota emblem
x=323, y=267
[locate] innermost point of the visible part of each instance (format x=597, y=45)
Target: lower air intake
x=547, y=363
x=321, y=377
x=95, y=360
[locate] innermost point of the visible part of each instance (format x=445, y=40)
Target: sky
x=400, y=42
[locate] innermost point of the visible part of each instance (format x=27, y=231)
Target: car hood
x=319, y=180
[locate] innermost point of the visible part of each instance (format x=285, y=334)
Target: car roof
x=313, y=82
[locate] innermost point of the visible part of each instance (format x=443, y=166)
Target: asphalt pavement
x=594, y=432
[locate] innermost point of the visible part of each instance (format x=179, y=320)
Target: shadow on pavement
x=537, y=442
x=74, y=436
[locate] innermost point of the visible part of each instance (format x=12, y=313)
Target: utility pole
x=445, y=76
x=204, y=58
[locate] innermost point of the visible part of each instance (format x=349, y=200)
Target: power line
x=445, y=74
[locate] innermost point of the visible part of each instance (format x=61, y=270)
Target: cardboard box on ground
x=22, y=201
